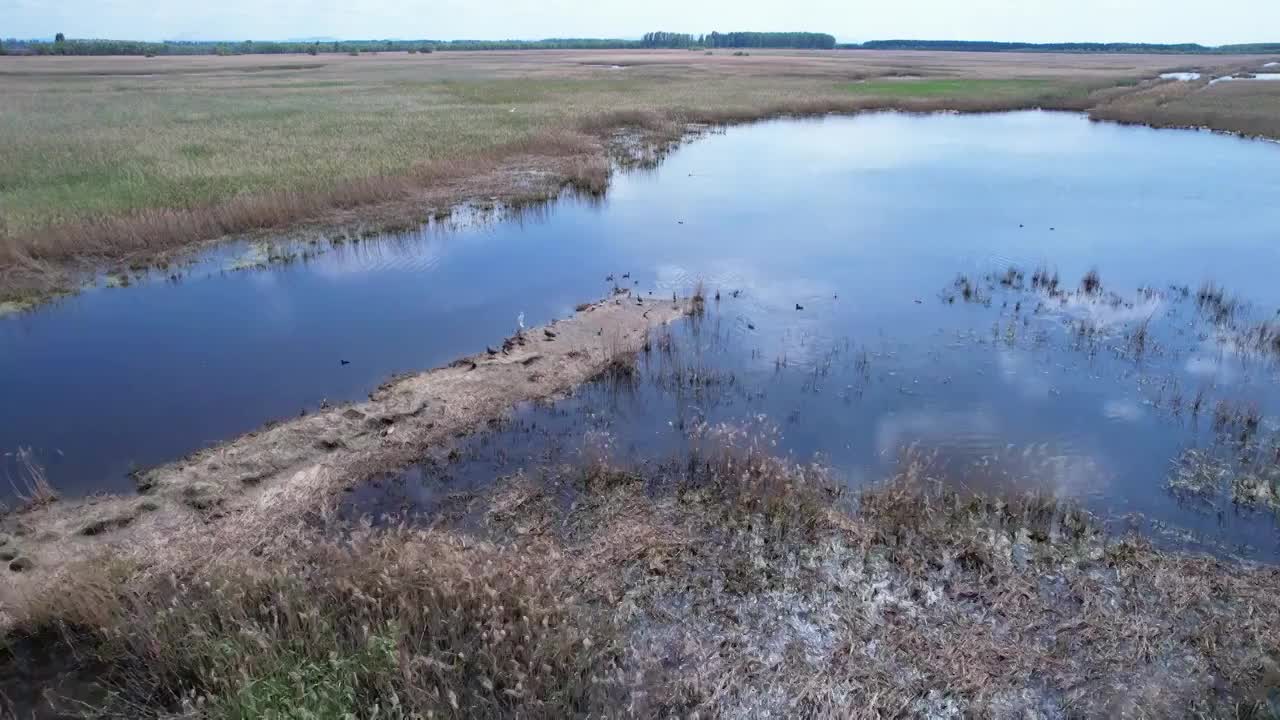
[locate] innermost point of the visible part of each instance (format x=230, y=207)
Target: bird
x=717, y=296
x=490, y=350
x=345, y=362
x=609, y=279
x=750, y=326
x=626, y=276
x=550, y=335
x=799, y=306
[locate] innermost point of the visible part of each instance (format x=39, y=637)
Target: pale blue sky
x=1231, y=21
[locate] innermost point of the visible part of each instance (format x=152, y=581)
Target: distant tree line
x=669, y=40
x=805, y=40
x=65, y=46
x=739, y=40
x=251, y=47
x=984, y=46
x=802, y=40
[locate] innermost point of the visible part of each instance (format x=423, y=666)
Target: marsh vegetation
x=583, y=588
x=936, y=481
x=106, y=164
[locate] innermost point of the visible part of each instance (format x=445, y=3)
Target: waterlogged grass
x=1248, y=108
x=919, y=602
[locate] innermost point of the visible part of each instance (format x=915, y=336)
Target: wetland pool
x=863, y=221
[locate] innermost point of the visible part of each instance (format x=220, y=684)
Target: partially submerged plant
x=1091, y=283
x=32, y=487
x=1042, y=279
x=698, y=301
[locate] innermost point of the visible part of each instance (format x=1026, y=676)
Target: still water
x=864, y=221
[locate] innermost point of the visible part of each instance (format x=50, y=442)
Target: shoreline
x=582, y=159
x=238, y=494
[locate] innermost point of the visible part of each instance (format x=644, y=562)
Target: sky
x=1163, y=21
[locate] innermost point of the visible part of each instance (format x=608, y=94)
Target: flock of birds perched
x=520, y=328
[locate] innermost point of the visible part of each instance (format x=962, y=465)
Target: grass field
x=109, y=159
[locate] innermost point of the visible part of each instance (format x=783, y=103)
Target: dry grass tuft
x=735, y=467
x=590, y=175
x=32, y=487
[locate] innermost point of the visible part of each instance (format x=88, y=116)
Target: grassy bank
x=1247, y=108
x=114, y=160
x=728, y=583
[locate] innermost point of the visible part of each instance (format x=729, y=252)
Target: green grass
x=298, y=687
x=965, y=88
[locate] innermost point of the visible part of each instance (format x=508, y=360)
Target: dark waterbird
x=550, y=335
x=344, y=362
x=799, y=306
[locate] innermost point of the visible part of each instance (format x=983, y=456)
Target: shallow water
x=865, y=221
x=1264, y=77
x=1183, y=76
